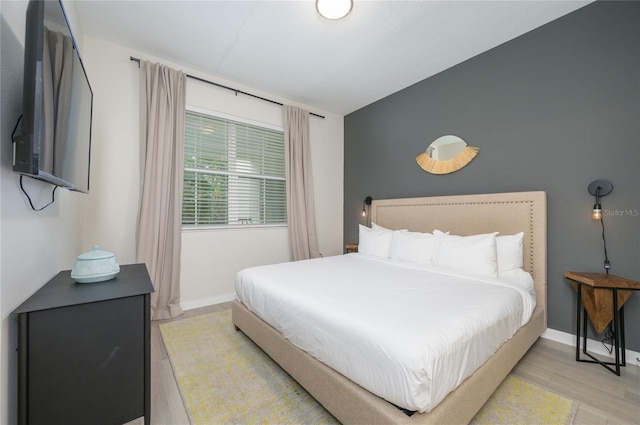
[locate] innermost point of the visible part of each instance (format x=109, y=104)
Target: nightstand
x=603, y=298
x=84, y=350
x=351, y=247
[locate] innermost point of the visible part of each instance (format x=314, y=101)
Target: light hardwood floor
x=604, y=398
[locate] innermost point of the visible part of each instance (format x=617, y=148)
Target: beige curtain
x=158, y=236
x=301, y=216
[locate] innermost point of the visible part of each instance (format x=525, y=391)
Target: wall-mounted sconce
x=366, y=206
x=600, y=188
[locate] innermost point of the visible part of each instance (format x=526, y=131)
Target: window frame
x=243, y=120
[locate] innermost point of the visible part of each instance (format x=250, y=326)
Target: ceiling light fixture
x=334, y=9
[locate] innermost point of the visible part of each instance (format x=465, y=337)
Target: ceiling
x=286, y=49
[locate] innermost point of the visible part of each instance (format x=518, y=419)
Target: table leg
x=584, y=330
x=622, y=342
x=578, y=308
x=616, y=332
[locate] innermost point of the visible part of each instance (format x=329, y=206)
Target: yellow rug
x=224, y=378
x=518, y=402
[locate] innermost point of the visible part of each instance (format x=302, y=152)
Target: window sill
x=190, y=229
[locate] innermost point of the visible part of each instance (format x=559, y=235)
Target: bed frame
x=507, y=213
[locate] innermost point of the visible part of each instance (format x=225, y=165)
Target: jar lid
x=95, y=254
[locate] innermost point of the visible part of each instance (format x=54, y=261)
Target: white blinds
x=234, y=173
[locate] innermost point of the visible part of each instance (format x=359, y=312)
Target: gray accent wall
x=551, y=110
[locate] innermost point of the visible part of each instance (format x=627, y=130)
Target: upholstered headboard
x=507, y=213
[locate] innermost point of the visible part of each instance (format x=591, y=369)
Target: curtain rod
x=230, y=88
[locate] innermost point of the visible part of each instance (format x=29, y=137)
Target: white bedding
x=408, y=333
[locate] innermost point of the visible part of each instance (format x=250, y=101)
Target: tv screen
x=55, y=140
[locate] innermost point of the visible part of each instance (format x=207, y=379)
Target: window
x=234, y=173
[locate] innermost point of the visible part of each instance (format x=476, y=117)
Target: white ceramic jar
x=95, y=266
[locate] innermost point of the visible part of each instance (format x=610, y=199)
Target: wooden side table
x=603, y=297
x=351, y=247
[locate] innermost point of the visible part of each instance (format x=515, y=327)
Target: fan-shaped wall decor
x=446, y=154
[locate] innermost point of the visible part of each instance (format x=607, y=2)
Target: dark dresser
x=84, y=351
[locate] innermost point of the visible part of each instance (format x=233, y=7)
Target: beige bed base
x=507, y=213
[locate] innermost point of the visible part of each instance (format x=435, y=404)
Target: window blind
x=234, y=173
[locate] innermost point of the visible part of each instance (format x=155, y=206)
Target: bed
x=507, y=213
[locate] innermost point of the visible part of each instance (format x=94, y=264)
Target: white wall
x=35, y=246
x=210, y=259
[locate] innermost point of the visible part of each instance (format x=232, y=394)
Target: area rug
x=519, y=402
x=224, y=378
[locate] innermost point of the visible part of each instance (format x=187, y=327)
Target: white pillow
x=414, y=247
x=374, y=226
x=522, y=278
x=510, y=253
x=374, y=242
x=471, y=254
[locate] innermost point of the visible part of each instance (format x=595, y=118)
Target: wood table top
x=603, y=280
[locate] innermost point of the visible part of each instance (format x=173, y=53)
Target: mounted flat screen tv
x=55, y=141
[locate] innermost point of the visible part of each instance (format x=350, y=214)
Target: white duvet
x=408, y=333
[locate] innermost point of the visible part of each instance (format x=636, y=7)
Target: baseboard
x=190, y=305
x=595, y=347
